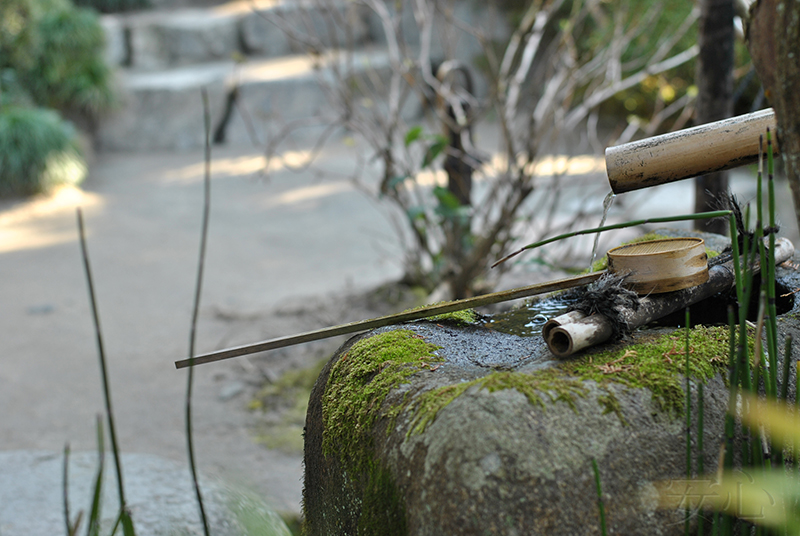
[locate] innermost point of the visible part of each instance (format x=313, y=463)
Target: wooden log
x=687, y=153
x=570, y=337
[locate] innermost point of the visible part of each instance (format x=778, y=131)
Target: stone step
x=301, y=27
x=163, y=38
x=162, y=110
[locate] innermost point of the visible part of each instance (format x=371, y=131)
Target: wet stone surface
x=473, y=350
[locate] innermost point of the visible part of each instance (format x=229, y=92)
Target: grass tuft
x=38, y=150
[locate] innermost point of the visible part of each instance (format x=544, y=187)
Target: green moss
x=383, y=511
x=359, y=382
x=461, y=318
x=357, y=386
x=548, y=382
x=427, y=405
x=657, y=365
x=610, y=404
x=551, y=383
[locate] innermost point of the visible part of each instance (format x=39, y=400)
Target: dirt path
x=271, y=243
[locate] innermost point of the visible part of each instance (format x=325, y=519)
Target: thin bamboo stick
x=416, y=314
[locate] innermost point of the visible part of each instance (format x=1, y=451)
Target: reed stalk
x=687, y=515
x=125, y=518
x=668, y=219
x=65, y=492
x=770, y=266
x=196, y=312
x=97, y=496
x=600, y=506
x=787, y=362
x=700, y=451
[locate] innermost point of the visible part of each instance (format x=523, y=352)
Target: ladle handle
x=687, y=153
x=407, y=316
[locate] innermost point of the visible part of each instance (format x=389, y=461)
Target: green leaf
x=434, y=150
x=97, y=496
x=446, y=198
x=413, y=135
x=127, y=524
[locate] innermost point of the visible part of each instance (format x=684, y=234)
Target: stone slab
x=163, y=110
x=303, y=94
x=159, y=493
x=182, y=37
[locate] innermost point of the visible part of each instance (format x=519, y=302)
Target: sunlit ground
x=36, y=223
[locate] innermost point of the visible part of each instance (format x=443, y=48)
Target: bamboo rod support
x=416, y=314
x=687, y=153
x=571, y=336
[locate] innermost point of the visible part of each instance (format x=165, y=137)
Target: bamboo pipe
x=687, y=153
x=567, y=336
x=415, y=314
x=566, y=318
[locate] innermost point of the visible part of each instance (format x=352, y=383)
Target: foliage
x=50, y=59
x=37, y=151
x=123, y=519
x=70, y=72
x=55, y=53
x=756, y=487
x=657, y=91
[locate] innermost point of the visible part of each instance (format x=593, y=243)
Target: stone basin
x=447, y=427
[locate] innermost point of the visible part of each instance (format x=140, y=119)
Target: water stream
x=528, y=320
x=607, y=202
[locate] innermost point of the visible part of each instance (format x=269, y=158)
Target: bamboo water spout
x=575, y=331
x=687, y=153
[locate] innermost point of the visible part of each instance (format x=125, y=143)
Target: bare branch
x=578, y=114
